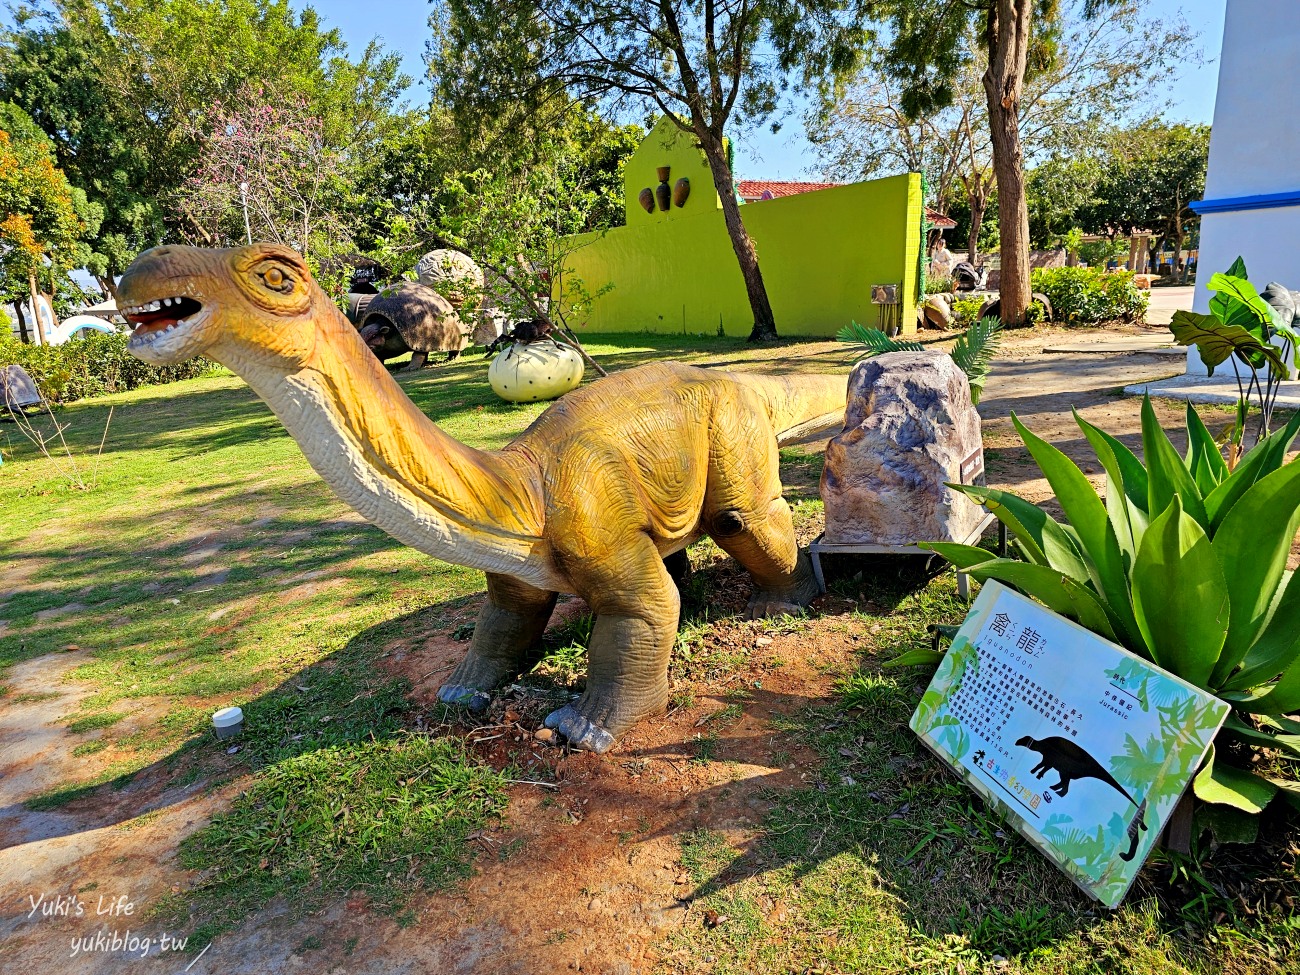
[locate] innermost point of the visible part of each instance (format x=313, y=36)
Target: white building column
x=1252, y=188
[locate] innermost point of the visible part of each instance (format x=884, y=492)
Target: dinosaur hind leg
x=637, y=608
x=678, y=566
x=506, y=637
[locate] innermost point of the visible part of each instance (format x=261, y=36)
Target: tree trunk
x=977, y=208
x=109, y=284
x=1180, y=273
x=764, y=321
x=22, y=322
x=41, y=338
x=1008, y=40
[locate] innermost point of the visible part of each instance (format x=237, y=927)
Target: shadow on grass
x=233, y=416
x=342, y=698
x=114, y=596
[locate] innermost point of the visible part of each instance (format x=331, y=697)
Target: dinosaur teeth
x=152, y=306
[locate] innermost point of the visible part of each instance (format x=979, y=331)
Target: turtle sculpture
x=590, y=499
x=409, y=317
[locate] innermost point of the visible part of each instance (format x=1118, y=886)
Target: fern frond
x=870, y=342
x=975, y=350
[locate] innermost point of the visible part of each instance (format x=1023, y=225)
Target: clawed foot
x=787, y=601
x=762, y=606
x=466, y=697
x=580, y=732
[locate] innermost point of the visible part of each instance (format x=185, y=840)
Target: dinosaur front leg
x=764, y=543
x=506, y=637
x=637, y=608
x=418, y=359
x=749, y=519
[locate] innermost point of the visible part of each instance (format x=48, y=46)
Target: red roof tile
x=752, y=190
x=756, y=190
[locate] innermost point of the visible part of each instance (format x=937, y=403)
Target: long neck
x=387, y=460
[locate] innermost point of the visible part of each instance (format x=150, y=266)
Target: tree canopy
x=44, y=220
x=930, y=46
x=122, y=89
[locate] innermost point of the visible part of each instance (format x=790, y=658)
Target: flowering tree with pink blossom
x=265, y=153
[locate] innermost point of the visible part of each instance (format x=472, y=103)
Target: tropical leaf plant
x=1184, y=562
x=1247, y=330
x=973, y=351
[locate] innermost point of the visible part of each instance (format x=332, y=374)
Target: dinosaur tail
x=1118, y=788
x=800, y=406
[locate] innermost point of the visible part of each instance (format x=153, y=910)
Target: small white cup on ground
x=228, y=722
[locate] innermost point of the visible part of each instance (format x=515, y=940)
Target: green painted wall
x=820, y=253
x=667, y=145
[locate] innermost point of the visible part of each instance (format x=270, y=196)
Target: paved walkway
x=1166, y=301
x=1195, y=385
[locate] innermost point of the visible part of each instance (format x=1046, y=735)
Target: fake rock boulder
x=908, y=428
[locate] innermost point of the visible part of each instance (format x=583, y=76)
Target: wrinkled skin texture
x=590, y=499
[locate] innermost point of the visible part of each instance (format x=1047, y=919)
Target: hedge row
x=92, y=366
x=1087, y=294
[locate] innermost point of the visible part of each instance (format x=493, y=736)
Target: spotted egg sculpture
x=532, y=371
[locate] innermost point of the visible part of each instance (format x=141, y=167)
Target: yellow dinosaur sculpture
x=590, y=499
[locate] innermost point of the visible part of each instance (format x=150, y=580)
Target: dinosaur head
x=250, y=301
x=1026, y=742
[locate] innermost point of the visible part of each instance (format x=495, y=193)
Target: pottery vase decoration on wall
x=662, y=191
x=681, y=190
x=647, y=200
x=526, y=372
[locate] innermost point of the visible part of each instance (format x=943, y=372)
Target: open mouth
x=161, y=315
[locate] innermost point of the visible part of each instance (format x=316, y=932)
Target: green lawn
x=210, y=566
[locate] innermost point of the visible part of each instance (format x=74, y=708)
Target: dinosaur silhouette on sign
x=1071, y=762
x=1139, y=822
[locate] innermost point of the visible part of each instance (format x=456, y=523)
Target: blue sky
x=761, y=155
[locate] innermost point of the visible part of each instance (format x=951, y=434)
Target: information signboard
x=1082, y=746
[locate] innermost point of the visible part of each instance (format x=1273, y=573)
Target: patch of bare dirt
x=118, y=845
x=587, y=876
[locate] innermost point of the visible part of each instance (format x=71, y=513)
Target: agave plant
x=973, y=350
x=1183, y=561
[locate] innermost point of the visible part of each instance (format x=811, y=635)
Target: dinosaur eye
x=273, y=277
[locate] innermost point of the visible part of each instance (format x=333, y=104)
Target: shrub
x=966, y=311
x=937, y=284
x=1086, y=294
x=92, y=366
x=1099, y=253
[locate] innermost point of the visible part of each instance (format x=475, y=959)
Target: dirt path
x=586, y=877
